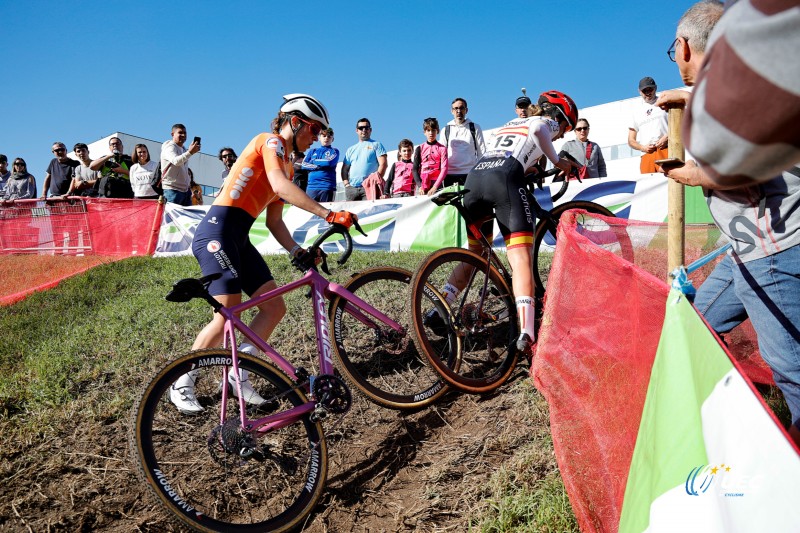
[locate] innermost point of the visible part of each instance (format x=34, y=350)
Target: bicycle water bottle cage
x=448, y=197
x=189, y=288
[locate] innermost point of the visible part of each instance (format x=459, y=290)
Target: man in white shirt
x=648, y=131
x=175, y=178
x=464, y=141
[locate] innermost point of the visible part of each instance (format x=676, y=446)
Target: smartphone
x=197, y=140
x=667, y=164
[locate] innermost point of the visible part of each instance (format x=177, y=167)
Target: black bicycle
x=480, y=325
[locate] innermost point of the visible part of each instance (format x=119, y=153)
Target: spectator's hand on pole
x=673, y=98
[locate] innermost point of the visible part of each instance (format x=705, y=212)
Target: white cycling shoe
x=181, y=394
x=251, y=396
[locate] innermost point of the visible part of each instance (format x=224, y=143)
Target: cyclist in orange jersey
x=260, y=179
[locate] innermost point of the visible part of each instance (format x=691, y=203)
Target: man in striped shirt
x=756, y=207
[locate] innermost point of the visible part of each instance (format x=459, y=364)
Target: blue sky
x=77, y=71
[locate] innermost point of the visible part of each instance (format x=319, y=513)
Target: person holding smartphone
x=174, y=170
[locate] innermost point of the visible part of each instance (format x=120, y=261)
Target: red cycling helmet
x=564, y=103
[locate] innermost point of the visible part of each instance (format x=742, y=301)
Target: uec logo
x=700, y=478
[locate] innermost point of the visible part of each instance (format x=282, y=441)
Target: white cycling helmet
x=306, y=105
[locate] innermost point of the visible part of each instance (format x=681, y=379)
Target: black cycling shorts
x=497, y=185
x=222, y=244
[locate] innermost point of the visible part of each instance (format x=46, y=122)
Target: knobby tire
x=485, y=334
x=183, y=458
x=381, y=363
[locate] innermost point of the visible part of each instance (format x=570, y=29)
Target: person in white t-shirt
x=464, y=141
x=648, y=131
x=142, y=173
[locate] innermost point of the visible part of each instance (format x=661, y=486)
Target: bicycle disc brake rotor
x=391, y=341
x=472, y=319
x=332, y=393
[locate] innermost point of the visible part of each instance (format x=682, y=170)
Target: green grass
x=78, y=354
x=524, y=495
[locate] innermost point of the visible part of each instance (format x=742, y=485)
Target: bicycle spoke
x=381, y=362
x=212, y=465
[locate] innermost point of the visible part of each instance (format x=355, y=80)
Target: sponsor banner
x=425, y=226
x=416, y=223
x=177, y=229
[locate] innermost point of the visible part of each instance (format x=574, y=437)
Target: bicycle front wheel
x=211, y=474
x=544, y=239
x=483, y=318
x=380, y=362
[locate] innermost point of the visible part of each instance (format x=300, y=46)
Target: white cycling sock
x=525, y=314
x=450, y=293
x=248, y=349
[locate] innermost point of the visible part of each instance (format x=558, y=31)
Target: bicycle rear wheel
x=544, y=239
x=382, y=363
x=195, y=465
x=484, y=321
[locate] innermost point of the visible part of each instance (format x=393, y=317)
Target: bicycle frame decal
x=323, y=331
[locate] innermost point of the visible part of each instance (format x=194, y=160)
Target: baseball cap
x=646, y=82
x=523, y=101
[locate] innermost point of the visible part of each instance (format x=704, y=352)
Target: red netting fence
x=602, y=321
x=45, y=241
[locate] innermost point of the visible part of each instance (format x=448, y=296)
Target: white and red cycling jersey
x=524, y=139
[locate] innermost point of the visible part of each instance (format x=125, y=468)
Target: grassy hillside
x=73, y=359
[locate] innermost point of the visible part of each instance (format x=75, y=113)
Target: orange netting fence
x=603, y=318
x=45, y=241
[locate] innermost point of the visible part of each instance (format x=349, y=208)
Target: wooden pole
x=676, y=201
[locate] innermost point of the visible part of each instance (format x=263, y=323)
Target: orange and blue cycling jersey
x=247, y=186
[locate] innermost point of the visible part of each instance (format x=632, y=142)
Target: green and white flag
x=709, y=457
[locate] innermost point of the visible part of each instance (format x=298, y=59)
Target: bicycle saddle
x=448, y=197
x=188, y=288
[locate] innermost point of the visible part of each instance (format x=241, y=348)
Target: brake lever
x=324, y=264
x=358, y=227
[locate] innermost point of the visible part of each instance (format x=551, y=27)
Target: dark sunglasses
x=59, y=150
x=363, y=128
x=19, y=164
x=582, y=128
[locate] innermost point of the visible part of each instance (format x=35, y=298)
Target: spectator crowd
x=443, y=158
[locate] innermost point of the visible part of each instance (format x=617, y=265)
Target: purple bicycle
x=243, y=467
